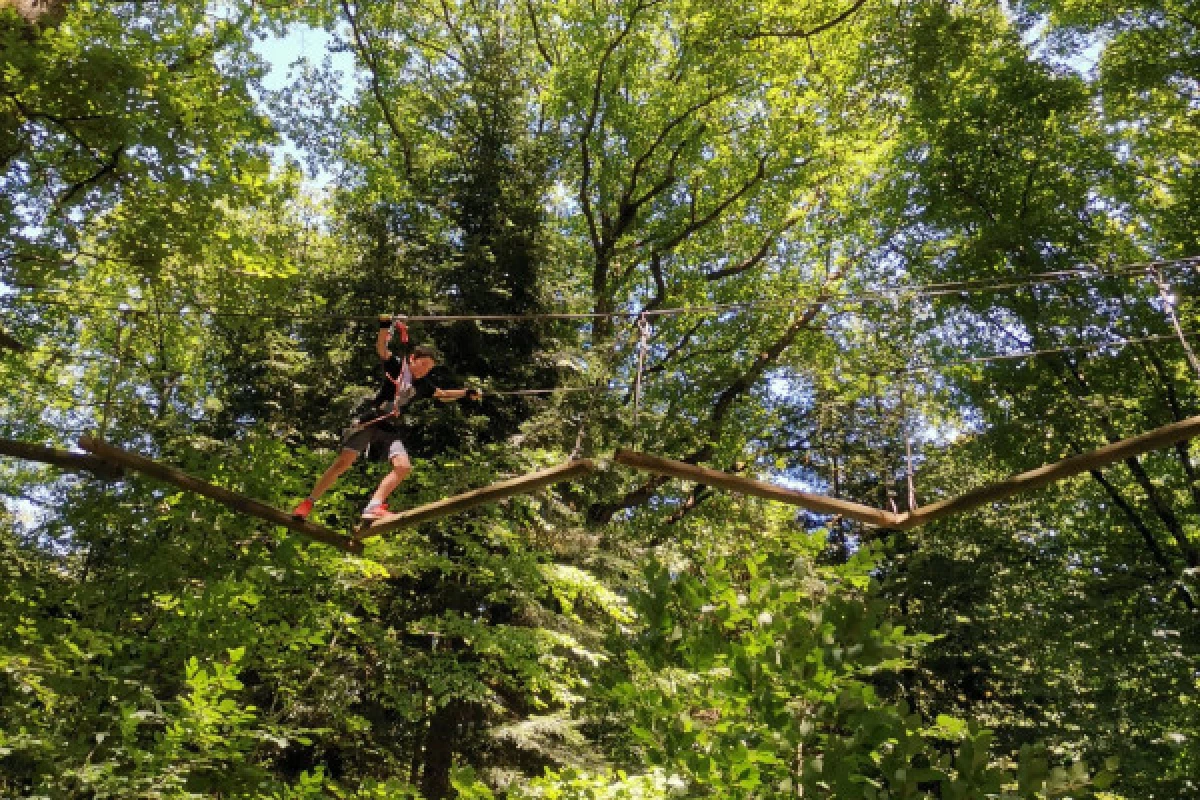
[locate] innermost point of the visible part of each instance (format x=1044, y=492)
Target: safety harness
x=403, y=384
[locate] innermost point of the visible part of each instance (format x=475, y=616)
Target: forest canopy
x=886, y=251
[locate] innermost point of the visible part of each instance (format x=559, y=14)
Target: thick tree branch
x=697, y=224
x=368, y=58
x=75, y=462
x=660, y=283
x=109, y=167
x=537, y=35
x=758, y=256
x=801, y=33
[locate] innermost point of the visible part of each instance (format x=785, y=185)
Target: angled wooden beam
x=1059, y=470
x=223, y=496
x=736, y=483
x=63, y=459
x=488, y=494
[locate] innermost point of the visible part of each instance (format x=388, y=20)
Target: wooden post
x=76, y=462
x=488, y=494
x=1059, y=470
x=226, y=497
x=735, y=483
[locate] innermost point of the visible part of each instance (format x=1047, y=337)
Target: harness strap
x=404, y=381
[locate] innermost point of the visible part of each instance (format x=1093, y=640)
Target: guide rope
x=115, y=376
x=884, y=294
x=643, y=343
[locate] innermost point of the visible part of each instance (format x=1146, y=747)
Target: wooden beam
x=226, y=497
x=735, y=483
x=63, y=459
x=1059, y=470
x=488, y=494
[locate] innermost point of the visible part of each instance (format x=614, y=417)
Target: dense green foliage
x=191, y=263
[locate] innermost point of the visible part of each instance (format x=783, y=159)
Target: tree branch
x=368, y=59
x=660, y=283
x=589, y=126
x=797, y=33
x=1177, y=414
x=674, y=351
x=759, y=255
x=719, y=209
x=1161, y=508
x=109, y=167
x=640, y=163
x=537, y=35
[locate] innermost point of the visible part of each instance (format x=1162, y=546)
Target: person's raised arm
x=381, y=340
x=386, y=324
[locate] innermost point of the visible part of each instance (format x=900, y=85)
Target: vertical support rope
x=905, y=420
x=1164, y=291
x=908, y=449
x=644, y=342
x=115, y=377
x=605, y=364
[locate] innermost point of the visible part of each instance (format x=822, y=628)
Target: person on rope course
x=376, y=424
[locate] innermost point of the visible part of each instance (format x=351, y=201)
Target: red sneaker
x=375, y=512
x=303, y=510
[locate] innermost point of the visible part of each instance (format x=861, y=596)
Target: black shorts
x=384, y=445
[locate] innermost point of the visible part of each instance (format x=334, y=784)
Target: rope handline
x=643, y=343
x=924, y=368
x=887, y=293
x=819, y=407
x=114, y=377
x=920, y=369
x=551, y=390
x=1050, y=276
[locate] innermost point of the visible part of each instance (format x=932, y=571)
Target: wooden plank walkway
x=233, y=500
x=1121, y=450
x=737, y=483
x=1026, y=481
x=107, y=461
x=488, y=494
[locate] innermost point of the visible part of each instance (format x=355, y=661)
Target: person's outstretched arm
x=450, y=395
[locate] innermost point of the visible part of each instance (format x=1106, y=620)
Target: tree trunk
x=440, y=742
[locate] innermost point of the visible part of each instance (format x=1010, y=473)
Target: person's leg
x=401, y=466
x=340, y=464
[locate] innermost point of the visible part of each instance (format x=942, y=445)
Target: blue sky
x=301, y=42
x=307, y=44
